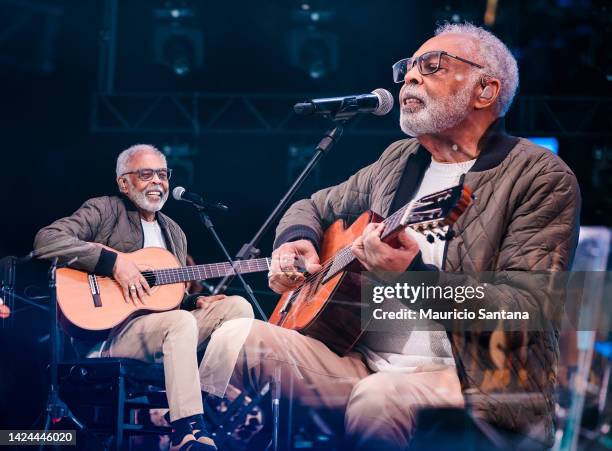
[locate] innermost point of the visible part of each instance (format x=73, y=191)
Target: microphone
x=180, y=193
x=379, y=102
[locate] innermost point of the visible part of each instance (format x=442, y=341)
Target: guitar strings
x=155, y=275
x=327, y=264
x=166, y=275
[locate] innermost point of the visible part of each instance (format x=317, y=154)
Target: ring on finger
x=133, y=287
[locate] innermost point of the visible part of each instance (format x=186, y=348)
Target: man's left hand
x=203, y=300
x=377, y=256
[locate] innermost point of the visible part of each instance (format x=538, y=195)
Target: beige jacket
x=109, y=220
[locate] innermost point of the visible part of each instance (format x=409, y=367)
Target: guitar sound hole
x=150, y=278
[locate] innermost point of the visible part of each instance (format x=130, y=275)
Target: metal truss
x=198, y=113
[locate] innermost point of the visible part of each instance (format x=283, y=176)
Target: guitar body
x=88, y=316
x=327, y=305
x=331, y=311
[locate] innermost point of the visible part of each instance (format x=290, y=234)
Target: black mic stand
x=56, y=408
x=8, y=271
x=331, y=137
x=209, y=225
x=250, y=250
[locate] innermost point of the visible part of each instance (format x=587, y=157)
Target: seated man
x=128, y=223
x=456, y=89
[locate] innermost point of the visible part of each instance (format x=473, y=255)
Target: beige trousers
x=378, y=409
x=173, y=338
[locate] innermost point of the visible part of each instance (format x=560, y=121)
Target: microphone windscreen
x=177, y=193
x=385, y=102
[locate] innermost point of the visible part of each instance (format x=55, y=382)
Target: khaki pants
x=173, y=338
x=378, y=409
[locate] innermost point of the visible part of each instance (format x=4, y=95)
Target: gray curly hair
x=124, y=157
x=499, y=62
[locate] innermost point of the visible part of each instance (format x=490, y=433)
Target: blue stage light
x=549, y=142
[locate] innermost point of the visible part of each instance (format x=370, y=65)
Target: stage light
x=180, y=48
x=310, y=48
x=178, y=42
x=5, y=311
x=314, y=52
x=490, y=13
x=173, y=13
x=550, y=143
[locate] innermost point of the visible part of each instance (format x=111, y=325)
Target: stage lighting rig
x=311, y=48
x=178, y=42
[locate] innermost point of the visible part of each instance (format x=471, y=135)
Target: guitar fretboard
x=207, y=271
x=421, y=213
x=345, y=256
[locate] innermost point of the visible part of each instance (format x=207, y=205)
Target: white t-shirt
x=153, y=236
x=398, y=349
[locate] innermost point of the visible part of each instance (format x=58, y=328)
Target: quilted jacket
x=524, y=218
x=109, y=220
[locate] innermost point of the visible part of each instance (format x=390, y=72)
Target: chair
x=107, y=393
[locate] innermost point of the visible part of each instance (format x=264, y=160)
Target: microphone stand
x=8, y=266
x=331, y=137
x=209, y=225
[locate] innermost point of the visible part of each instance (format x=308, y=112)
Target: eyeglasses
x=427, y=63
x=147, y=174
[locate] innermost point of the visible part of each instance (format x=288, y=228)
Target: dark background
x=53, y=155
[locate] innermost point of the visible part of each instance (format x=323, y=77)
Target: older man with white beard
x=456, y=89
x=126, y=224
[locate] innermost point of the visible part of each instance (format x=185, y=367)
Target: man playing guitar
x=456, y=89
x=127, y=224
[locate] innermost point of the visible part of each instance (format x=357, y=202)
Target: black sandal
x=190, y=443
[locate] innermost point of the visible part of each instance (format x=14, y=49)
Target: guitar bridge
x=95, y=290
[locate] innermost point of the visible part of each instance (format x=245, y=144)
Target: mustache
x=408, y=91
x=155, y=187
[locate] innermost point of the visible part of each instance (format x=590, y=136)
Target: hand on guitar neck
x=290, y=259
x=133, y=284
x=288, y=264
x=377, y=256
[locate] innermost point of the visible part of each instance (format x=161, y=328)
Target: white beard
x=141, y=201
x=435, y=114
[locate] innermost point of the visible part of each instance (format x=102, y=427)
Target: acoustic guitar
x=327, y=305
x=91, y=305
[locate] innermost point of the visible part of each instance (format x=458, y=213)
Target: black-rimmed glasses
x=147, y=174
x=427, y=63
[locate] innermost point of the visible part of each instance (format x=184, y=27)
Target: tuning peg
x=430, y=238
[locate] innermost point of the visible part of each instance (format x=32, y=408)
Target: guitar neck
x=345, y=256
x=427, y=213
x=208, y=271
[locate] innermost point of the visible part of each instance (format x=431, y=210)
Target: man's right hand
x=132, y=282
x=288, y=263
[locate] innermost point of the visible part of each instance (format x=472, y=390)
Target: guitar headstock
x=429, y=214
